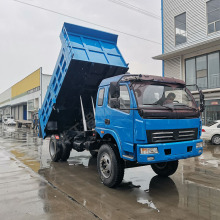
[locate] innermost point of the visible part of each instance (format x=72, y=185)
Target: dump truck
x=93, y=103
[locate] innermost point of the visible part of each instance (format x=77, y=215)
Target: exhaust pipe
x=93, y=107
x=83, y=115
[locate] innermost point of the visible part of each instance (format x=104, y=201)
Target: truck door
x=121, y=120
x=100, y=110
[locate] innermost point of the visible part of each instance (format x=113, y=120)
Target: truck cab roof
x=129, y=77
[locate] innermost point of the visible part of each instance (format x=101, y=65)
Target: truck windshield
x=166, y=96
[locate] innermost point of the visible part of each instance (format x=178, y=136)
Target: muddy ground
x=33, y=187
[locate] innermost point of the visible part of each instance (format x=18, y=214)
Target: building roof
x=183, y=51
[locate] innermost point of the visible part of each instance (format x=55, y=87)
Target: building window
x=191, y=72
x=124, y=99
x=180, y=29
x=204, y=71
x=213, y=15
x=201, y=72
x=30, y=105
x=213, y=70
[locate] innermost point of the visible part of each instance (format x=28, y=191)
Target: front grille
x=174, y=135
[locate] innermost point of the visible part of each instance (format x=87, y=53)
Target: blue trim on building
x=162, y=36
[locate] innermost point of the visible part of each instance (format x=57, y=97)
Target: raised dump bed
x=87, y=57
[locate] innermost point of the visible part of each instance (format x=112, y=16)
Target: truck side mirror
x=114, y=90
x=202, y=106
x=114, y=103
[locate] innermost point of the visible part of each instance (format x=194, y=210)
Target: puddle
x=33, y=164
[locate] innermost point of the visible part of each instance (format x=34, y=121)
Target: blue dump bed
x=86, y=58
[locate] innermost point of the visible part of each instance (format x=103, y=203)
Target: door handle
x=107, y=121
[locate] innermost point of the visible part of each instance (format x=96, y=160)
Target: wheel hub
x=217, y=140
x=105, y=165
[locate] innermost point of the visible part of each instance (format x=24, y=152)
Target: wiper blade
x=162, y=106
x=186, y=106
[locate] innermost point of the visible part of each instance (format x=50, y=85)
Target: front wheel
x=166, y=168
x=110, y=165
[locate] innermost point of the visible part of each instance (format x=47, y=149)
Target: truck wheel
x=110, y=165
x=216, y=139
x=93, y=153
x=55, y=149
x=166, y=168
x=66, y=149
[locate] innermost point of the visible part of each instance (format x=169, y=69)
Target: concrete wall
x=5, y=97
x=196, y=23
x=25, y=98
x=172, y=68
x=13, y=112
x=6, y=110
x=16, y=109
x=31, y=89
x=20, y=115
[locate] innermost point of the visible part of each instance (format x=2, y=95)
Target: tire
x=216, y=139
x=110, y=165
x=55, y=149
x=93, y=153
x=66, y=149
x=165, y=169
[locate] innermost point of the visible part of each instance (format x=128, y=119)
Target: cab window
x=101, y=97
x=124, y=99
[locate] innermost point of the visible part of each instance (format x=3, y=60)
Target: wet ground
x=33, y=187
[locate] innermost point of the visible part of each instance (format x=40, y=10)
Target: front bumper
x=178, y=150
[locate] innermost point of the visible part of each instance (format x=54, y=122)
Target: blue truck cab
x=172, y=131
x=147, y=124
x=93, y=103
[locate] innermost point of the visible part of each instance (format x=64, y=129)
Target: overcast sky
x=29, y=37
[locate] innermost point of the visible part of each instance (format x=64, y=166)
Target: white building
x=25, y=98
x=191, y=47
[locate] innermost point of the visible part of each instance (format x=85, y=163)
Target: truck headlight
x=199, y=145
x=152, y=150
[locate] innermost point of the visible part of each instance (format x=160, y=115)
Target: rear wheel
x=216, y=139
x=110, y=165
x=55, y=149
x=66, y=149
x=166, y=168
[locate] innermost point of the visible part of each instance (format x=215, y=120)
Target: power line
x=98, y=25
x=135, y=8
